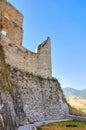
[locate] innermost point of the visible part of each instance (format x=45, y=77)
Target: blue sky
x=65, y=22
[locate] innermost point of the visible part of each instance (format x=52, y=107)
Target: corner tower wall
x=44, y=57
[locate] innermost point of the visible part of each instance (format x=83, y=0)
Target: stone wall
x=42, y=98
x=38, y=63
x=13, y=24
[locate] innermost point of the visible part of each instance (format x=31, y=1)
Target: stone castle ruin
x=38, y=62
x=28, y=92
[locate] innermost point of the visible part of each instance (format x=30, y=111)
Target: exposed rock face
x=11, y=107
x=6, y=121
x=11, y=112
x=42, y=98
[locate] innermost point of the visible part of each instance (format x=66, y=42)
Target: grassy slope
x=64, y=126
x=78, y=105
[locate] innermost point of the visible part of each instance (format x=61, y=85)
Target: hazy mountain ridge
x=74, y=92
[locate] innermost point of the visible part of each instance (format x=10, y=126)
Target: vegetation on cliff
x=6, y=122
x=4, y=77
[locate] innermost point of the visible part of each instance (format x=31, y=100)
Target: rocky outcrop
x=42, y=98
x=6, y=121
x=11, y=108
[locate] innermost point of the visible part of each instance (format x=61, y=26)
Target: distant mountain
x=74, y=92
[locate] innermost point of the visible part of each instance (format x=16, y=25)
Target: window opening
x=7, y=15
x=4, y=30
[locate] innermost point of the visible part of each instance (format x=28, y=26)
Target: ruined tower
x=11, y=34
x=11, y=22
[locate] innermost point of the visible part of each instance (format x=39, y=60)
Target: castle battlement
x=11, y=34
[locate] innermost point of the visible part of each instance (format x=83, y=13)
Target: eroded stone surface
x=42, y=98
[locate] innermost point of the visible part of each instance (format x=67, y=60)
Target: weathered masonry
x=28, y=92
x=11, y=33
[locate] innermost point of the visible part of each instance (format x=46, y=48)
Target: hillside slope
x=74, y=92
x=78, y=104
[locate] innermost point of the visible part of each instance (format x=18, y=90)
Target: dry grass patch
x=78, y=105
x=68, y=125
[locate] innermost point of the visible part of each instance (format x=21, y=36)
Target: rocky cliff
x=27, y=98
